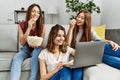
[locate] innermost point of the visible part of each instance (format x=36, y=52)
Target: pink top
x=23, y=27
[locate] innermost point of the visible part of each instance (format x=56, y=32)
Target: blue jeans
x=111, y=57
x=77, y=74
x=18, y=60
x=108, y=50
x=112, y=61
x=63, y=74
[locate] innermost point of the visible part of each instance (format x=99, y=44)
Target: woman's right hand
x=72, y=23
x=60, y=65
x=30, y=23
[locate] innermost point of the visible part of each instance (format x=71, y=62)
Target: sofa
x=9, y=46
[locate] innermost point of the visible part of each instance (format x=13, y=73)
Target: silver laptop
x=88, y=53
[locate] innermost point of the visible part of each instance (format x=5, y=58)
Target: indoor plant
x=76, y=5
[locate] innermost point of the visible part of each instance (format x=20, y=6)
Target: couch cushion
x=101, y=72
x=9, y=37
x=6, y=60
x=113, y=34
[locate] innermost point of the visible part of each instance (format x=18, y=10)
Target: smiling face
x=59, y=39
x=80, y=19
x=35, y=13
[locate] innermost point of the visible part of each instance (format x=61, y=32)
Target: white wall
x=111, y=13
x=7, y=8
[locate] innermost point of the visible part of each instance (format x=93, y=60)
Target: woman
x=80, y=30
x=54, y=59
x=33, y=26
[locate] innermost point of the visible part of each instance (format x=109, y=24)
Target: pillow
x=100, y=31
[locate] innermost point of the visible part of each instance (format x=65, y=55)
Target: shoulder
x=22, y=25
x=43, y=54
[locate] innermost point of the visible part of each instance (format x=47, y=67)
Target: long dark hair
x=39, y=22
x=52, y=35
x=86, y=36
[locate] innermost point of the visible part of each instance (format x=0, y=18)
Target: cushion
x=112, y=34
x=101, y=72
x=9, y=37
x=100, y=31
x=6, y=61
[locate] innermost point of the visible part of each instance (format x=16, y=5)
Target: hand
x=72, y=23
x=71, y=62
x=30, y=23
x=60, y=65
x=114, y=45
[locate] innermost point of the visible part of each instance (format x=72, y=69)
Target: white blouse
x=51, y=61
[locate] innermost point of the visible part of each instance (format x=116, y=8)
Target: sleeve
x=94, y=36
x=22, y=25
x=69, y=49
x=42, y=55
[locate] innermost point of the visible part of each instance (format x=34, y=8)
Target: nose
x=62, y=38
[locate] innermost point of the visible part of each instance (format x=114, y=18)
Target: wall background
x=110, y=14
x=109, y=11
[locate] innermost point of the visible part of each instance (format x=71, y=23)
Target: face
x=80, y=19
x=59, y=38
x=35, y=13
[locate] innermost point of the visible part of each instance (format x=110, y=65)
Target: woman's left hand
x=114, y=45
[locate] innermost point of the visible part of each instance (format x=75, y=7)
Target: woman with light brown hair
x=80, y=30
x=55, y=58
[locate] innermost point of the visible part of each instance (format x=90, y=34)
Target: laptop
x=88, y=54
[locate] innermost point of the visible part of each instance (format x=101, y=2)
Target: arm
x=114, y=45
x=43, y=70
x=70, y=31
x=23, y=36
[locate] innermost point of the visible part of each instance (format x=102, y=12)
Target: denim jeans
x=63, y=74
x=111, y=57
x=108, y=50
x=68, y=74
x=18, y=60
x=111, y=60
x=77, y=74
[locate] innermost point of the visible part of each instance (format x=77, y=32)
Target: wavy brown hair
x=52, y=35
x=39, y=22
x=86, y=36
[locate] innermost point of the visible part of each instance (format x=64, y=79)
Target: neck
x=56, y=48
x=80, y=27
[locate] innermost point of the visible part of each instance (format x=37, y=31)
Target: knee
x=107, y=45
x=36, y=52
x=16, y=57
x=37, y=49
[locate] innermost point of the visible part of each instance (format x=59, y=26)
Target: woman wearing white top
x=55, y=57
